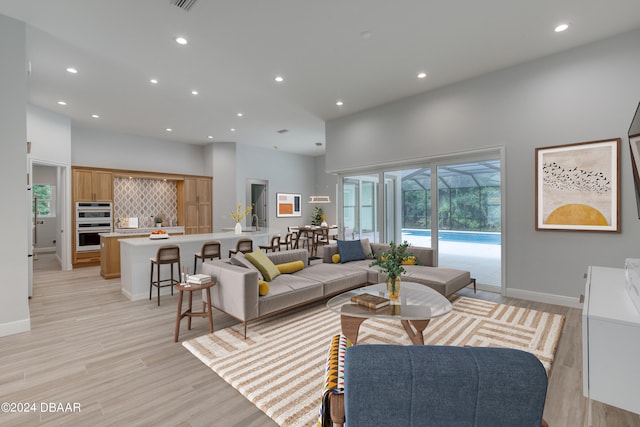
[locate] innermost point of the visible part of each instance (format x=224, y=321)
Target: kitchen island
x=110, y=247
x=135, y=254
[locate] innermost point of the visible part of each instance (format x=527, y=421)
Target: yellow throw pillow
x=264, y=264
x=335, y=259
x=263, y=287
x=290, y=267
x=410, y=260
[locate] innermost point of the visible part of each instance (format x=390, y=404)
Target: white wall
x=325, y=185
x=97, y=148
x=585, y=94
x=50, y=136
x=14, y=307
x=221, y=162
x=286, y=173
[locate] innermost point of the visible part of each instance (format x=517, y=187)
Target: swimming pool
x=487, y=238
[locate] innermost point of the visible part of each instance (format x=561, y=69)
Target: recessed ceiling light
x=169, y=129
x=422, y=75
x=240, y=114
x=279, y=79
x=339, y=103
x=210, y=137
x=62, y=103
x=194, y=92
x=560, y=28
x=181, y=40
x=154, y=81
x=72, y=70
x=233, y=129
x=95, y=116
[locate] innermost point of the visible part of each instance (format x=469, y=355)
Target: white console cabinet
x=610, y=341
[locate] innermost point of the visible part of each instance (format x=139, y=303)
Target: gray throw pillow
x=366, y=248
x=241, y=261
x=350, y=250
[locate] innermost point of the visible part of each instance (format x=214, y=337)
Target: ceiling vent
x=184, y=4
x=283, y=131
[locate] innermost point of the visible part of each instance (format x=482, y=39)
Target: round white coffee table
x=415, y=308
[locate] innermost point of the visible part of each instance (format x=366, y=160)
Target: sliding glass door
x=455, y=208
x=469, y=219
x=360, y=213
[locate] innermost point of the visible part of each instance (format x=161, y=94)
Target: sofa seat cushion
x=288, y=290
x=335, y=277
x=446, y=281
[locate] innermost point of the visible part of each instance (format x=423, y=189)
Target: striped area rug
x=280, y=366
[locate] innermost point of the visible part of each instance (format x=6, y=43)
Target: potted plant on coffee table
x=391, y=263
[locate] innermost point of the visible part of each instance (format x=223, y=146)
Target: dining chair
x=287, y=242
x=274, y=246
x=320, y=238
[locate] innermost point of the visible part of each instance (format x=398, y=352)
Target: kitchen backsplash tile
x=144, y=199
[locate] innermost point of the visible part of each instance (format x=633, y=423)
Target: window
x=44, y=199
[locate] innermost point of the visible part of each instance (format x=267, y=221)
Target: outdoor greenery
x=44, y=196
x=469, y=209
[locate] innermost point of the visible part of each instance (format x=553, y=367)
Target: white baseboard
x=44, y=250
x=545, y=298
x=138, y=297
x=13, y=328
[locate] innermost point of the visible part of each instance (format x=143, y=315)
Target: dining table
x=314, y=236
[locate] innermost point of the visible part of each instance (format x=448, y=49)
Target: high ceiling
x=363, y=52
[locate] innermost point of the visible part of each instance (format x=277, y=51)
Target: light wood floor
x=89, y=345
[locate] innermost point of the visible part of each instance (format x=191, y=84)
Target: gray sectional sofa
x=236, y=291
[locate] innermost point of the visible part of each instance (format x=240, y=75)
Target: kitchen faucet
x=257, y=224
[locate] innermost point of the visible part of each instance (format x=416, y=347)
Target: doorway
x=48, y=199
x=257, y=196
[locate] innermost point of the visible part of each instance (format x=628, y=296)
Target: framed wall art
x=578, y=186
x=288, y=205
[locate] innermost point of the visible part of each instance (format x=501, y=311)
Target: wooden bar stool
x=190, y=287
x=209, y=250
x=244, y=245
x=168, y=254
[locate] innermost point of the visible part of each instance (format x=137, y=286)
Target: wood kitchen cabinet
x=92, y=185
x=194, y=199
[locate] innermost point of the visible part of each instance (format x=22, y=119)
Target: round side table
x=189, y=313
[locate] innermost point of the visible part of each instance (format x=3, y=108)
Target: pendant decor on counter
x=238, y=229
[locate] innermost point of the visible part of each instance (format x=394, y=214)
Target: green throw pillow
x=264, y=264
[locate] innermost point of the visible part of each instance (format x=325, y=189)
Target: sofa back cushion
x=350, y=250
x=241, y=261
x=280, y=257
x=265, y=265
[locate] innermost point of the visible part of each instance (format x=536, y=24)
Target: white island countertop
x=136, y=252
x=119, y=232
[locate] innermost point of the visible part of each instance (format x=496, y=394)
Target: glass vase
x=393, y=287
